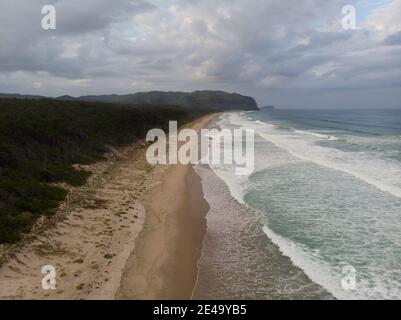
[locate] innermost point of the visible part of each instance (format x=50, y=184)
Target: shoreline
x=239, y=261
x=164, y=264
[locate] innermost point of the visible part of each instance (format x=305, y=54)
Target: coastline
x=140, y=232
x=239, y=261
x=164, y=264
x=93, y=235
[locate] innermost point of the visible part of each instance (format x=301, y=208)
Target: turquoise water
x=327, y=185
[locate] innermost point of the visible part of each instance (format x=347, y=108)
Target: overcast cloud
x=287, y=53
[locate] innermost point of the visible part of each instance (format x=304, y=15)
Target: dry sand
x=132, y=232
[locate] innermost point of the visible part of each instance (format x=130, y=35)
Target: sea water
x=326, y=194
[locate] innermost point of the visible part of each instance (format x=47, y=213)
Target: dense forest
x=40, y=140
x=206, y=99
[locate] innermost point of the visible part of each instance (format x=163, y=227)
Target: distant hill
x=20, y=96
x=212, y=100
x=217, y=100
x=268, y=107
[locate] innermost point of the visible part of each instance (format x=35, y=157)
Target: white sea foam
x=315, y=268
x=236, y=184
x=330, y=277
x=316, y=134
x=262, y=123
x=381, y=173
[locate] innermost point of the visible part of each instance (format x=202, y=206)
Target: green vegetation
x=216, y=100
x=40, y=140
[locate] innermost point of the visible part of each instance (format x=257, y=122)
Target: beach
x=132, y=232
x=164, y=264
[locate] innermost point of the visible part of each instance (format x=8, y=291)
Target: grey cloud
x=78, y=17
x=393, y=39
x=264, y=48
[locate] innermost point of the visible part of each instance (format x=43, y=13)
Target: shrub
x=40, y=140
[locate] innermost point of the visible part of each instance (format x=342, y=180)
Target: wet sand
x=164, y=264
x=238, y=260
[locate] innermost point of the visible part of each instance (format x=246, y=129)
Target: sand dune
x=128, y=211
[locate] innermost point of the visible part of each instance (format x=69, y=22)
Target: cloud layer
x=281, y=52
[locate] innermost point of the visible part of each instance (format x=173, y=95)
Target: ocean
x=325, y=194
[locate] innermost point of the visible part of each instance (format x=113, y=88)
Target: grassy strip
x=40, y=140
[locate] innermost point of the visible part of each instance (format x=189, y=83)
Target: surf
x=323, y=206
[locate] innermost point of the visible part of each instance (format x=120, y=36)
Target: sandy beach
x=132, y=232
x=164, y=264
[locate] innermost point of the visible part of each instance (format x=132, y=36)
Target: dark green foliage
x=216, y=100
x=40, y=140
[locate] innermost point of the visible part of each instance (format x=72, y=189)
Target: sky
x=287, y=53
